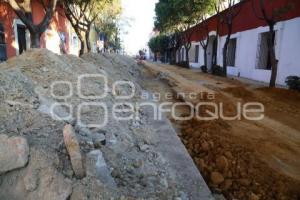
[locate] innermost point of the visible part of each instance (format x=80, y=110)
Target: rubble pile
x=47, y=153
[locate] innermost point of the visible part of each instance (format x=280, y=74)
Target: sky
x=140, y=15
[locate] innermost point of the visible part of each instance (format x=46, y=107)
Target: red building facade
x=15, y=36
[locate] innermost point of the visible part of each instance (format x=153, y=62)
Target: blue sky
x=141, y=17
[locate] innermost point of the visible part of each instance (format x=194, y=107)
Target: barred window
x=263, y=60
x=231, y=50
x=197, y=54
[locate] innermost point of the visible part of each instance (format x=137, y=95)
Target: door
x=21, y=38
x=2, y=44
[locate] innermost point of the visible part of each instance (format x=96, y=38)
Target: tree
x=174, y=44
x=179, y=16
x=228, y=16
x=154, y=46
x=108, y=23
x=204, y=44
x=74, y=11
x=82, y=14
x=271, y=17
x=159, y=44
x=217, y=4
x=23, y=10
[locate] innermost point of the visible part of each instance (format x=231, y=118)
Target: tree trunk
x=225, y=57
x=187, y=56
x=173, y=56
x=155, y=56
x=35, y=40
x=274, y=61
x=229, y=26
x=81, y=51
x=205, y=59
x=87, y=39
x=215, y=52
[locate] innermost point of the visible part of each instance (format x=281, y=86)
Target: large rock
x=216, y=178
x=14, y=152
x=73, y=148
x=96, y=167
x=38, y=180
x=42, y=180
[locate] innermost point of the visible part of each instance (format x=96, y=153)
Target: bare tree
x=24, y=11
x=204, y=44
x=228, y=16
x=271, y=19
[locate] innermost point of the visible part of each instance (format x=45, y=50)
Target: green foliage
x=108, y=23
x=159, y=43
x=179, y=15
x=293, y=82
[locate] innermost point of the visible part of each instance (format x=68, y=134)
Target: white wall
x=287, y=52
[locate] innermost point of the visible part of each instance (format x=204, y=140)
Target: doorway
x=2, y=44
x=21, y=30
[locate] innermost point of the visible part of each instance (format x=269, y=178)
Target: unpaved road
x=240, y=158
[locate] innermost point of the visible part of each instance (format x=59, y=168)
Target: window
x=197, y=54
x=2, y=44
x=182, y=54
x=231, y=49
x=263, y=60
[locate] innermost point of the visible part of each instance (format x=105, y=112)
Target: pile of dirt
x=239, y=92
x=241, y=159
x=122, y=160
x=230, y=167
x=281, y=94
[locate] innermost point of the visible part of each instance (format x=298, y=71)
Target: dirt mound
x=239, y=92
x=32, y=83
x=239, y=158
x=281, y=94
x=241, y=174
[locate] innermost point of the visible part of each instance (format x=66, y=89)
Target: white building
x=247, y=54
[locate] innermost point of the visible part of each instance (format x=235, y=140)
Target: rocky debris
x=98, y=139
x=42, y=180
x=96, y=167
x=14, y=152
x=39, y=180
x=222, y=163
x=55, y=157
x=73, y=148
x=216, y=178
x=230, y=168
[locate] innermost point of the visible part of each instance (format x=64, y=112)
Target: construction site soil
x=242, y=159
x=42, y=157
x=48, y=152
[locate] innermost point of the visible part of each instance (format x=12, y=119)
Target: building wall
x=246, y=29
x=51, y=39
x=287, y=52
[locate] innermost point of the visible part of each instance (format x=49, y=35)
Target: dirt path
x=242, y=159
